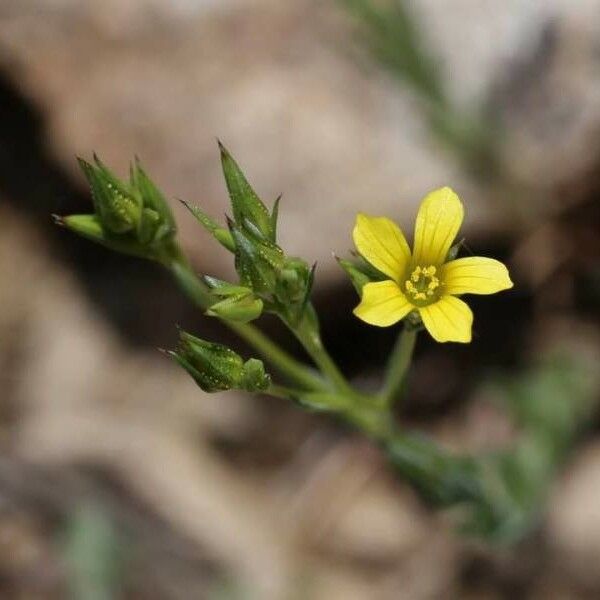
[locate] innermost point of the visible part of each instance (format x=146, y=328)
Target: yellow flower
x=423, y=280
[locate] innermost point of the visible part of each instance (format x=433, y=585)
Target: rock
x=275, y=81
x=574, y=519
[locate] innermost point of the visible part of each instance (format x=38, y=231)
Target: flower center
x=423, y=285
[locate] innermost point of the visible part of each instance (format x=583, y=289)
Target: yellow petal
x=475, y=275
x=438, y=221
x=383, y=304
x=381, y=242
x=448, y=320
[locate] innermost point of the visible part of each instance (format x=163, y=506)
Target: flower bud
x=242, y=308
x=294, y=286
x=254, y=378
x=216, y=368
x=246, y=205
x=130, y=217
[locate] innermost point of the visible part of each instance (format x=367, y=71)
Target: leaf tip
x=58, y=220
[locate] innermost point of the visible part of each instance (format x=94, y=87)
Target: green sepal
x=117, y=205
x=245, y=203
x=294, y=287
x=310, y=281
x=257, y=262
x=222, y=235
x=294, y=280
x=357, y=276
x=254, y=378
x=153, y=201
x=454, y=250
x=148, y=226
x=275, y=216
x=224, y=288
x=241, y=308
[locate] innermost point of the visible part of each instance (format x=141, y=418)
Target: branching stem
x=288, y=366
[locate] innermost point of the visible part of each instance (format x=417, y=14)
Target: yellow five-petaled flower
x=424, y=281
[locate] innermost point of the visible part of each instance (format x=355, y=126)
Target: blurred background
x=118, y=477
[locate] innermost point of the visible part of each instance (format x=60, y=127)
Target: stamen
x=422, y=283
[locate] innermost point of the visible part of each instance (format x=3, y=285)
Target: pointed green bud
x=257, y=262
x=254, y=378
x=238, y=304
x=130, y=217
x=216, y=368
x=222, y=235
x=245, y=203
x=117, y=205
x=241, y=308
x=295, y=280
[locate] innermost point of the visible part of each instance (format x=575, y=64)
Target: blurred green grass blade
x=393, y=37
x=93, y=555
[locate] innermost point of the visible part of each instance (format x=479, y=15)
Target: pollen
x=423, y=285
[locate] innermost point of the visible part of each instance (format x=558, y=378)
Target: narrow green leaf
x=222, y=235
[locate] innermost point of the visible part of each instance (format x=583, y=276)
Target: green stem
x=398, y=365
x=280, y=391
x=307, y=333
x=281, y=360
x=285, y=364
